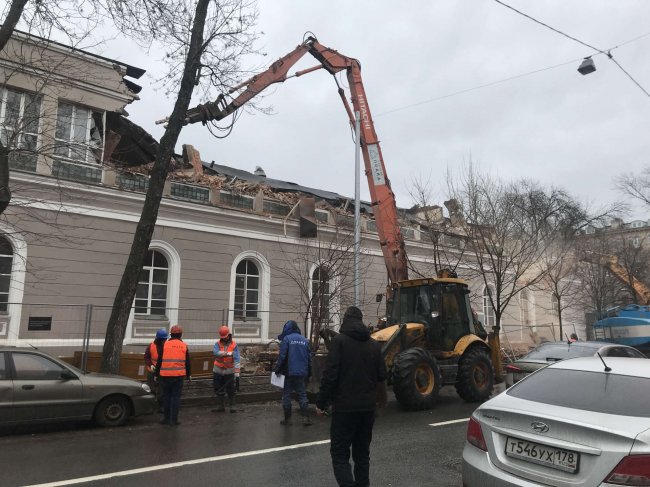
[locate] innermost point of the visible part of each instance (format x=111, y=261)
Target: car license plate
x=549, y=456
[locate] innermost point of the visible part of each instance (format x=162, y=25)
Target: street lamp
x=587, y=66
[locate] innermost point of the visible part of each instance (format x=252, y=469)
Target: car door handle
x=28, y=387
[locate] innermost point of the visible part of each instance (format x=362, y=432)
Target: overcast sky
x=555, y=126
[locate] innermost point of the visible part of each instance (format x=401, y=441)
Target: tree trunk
x=5, y=192
x=9, y=25
x=144, y=231
x=559, y=318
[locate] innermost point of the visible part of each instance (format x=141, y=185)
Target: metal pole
x=86, y=345
x=357, y=206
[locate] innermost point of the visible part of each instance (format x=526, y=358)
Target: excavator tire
x=475, y=378
x=416, y=379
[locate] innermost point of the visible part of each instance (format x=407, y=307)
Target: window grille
x=132, y=182
x=236, y=200
x=193, y=193
x=247, y=290
x=151, y=293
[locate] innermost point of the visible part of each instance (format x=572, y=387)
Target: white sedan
x=579, y=422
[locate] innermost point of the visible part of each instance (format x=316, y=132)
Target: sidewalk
x=252, y=388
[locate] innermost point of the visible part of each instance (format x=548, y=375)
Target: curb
x=242, y=398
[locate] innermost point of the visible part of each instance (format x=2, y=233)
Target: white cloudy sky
x=556, y=126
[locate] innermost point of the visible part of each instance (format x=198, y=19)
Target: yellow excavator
x=431, y=337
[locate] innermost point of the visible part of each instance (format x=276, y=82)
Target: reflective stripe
x=226, y=362
x=173, y=359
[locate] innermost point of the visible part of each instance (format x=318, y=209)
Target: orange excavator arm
x=381, y=194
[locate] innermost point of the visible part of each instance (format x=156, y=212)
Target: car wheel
x=112, y=411
x=475, y=378
x=416, y=379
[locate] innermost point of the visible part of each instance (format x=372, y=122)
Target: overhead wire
x=608, y=53
x=510, y=78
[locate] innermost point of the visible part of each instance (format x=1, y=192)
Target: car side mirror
x=67, y=375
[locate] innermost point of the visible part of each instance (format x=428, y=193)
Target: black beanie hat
x=353, y=312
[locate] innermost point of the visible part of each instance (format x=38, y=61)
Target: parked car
x=35, y=387
x=550, y=352
x=574, y=423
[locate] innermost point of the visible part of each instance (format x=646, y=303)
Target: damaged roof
x=278, y=184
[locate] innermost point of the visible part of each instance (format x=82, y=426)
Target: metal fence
x=69, y=328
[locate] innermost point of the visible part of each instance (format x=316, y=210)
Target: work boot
x=220, y=405
x=306, y=420
x=287, y=418
x=231, y=403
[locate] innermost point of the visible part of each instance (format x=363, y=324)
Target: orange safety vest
x=226, y=362
x=153, y=351
x=173, y=359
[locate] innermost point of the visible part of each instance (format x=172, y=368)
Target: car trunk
x=559, y=447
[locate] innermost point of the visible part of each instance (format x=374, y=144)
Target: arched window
x=247, y=290
x=151, y=293
x=321, y=295
x=488, y=310
x=6, y=262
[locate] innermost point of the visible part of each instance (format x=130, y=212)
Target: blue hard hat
x=162, y=333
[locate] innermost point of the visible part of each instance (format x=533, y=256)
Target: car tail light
x=512, y=368
x=475, y=434
x=633, y=470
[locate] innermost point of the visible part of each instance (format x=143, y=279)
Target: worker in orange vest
x=172, y=368
x=151, y=354
x=225, y=373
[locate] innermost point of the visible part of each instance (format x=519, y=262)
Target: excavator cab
x=442, y=307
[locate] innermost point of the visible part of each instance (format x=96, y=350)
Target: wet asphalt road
x=406, y=450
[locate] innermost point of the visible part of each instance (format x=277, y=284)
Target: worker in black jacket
x=354, y=384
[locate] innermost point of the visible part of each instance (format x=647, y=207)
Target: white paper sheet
x=277, y=380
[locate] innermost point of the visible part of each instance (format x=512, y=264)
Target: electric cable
x=600, y=51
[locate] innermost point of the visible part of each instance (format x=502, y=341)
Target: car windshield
x=560, y=351
x=590, y=391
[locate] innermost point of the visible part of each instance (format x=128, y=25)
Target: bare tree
x=559, y=265
x=208, y=41
x=322, y=272
x=636, y=185
x=439, y=231
x=509, y=227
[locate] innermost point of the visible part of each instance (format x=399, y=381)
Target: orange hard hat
x=176, y=330
x=224, y=331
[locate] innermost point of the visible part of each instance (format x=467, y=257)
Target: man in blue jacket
x=294, y=363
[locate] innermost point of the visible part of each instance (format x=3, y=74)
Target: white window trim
x=532, y=315
x=264, y=293
x=173, y=287
x=335, y=300
x=17, y=283
x=489, y=304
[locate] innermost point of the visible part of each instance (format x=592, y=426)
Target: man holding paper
x=294, y=363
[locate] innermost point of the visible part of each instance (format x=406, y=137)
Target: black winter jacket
x=354, y=370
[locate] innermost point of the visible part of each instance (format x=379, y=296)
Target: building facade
x=222, y=251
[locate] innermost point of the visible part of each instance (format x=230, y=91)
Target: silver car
x=550, y=352
x=575, y=423
x=35, y=387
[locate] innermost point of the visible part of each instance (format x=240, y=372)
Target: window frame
x=4, y=305
x=244, y=309
x=71, y=144
x=150, y=283
x=489, y=313
x=21, y=124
